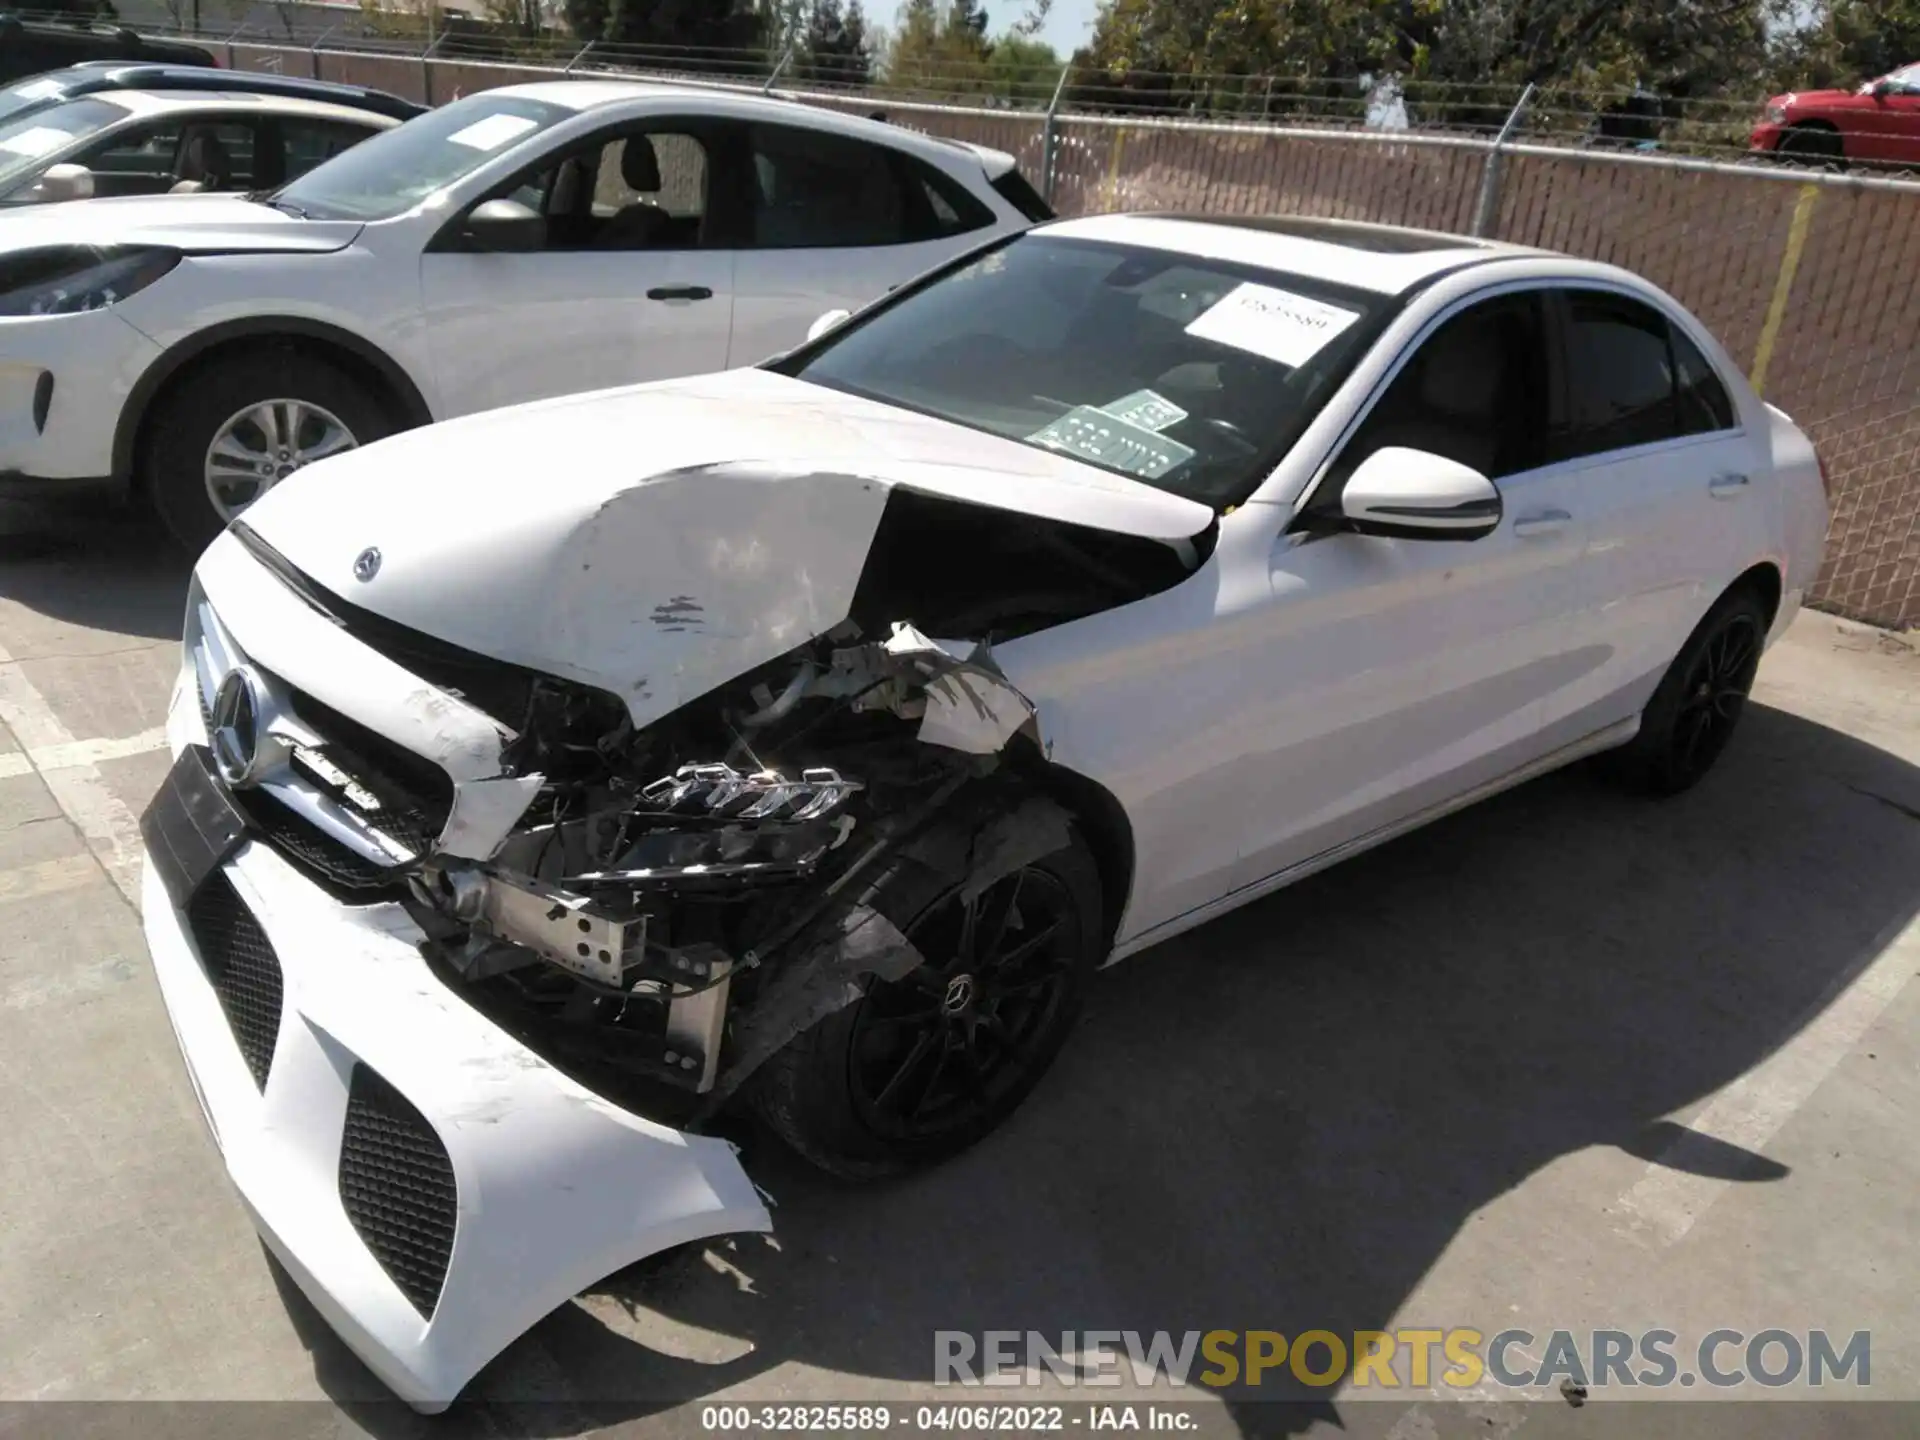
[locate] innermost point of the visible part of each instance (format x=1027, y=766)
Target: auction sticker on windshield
x=1273, y=323
x=493, y=132
x=1094, y=434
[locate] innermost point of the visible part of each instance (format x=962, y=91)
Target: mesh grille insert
x=396, y=1183
x=245, y=972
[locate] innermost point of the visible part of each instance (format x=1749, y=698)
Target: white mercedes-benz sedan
x=801, y=738
x=525, y=242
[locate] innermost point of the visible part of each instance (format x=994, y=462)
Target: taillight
x=1826, y=485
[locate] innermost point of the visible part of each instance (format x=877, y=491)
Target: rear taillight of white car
x=1826, y=483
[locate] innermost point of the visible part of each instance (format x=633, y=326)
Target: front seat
x=205, y=166
x=641, y=223
x=1455, y=409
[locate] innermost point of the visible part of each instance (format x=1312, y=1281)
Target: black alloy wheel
x=943, y=1050
x=1699, y=701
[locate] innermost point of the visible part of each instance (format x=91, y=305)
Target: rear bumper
x=546, y=1187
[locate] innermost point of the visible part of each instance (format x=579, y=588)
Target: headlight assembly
x=1776, y=114
x=69, y=279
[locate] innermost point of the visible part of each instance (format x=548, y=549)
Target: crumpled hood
x=196, y=224
x=659, y=540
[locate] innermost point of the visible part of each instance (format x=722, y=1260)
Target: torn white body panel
x=483, y=813
x=554, y=1187
x=301, y=646
x=685, y=532
x=969, y=707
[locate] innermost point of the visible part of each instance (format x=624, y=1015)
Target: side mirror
x=1414, y=495
x=826, y=322
x=505, y=225
x=58, y=183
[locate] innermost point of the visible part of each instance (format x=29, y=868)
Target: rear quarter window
x=1014, y=189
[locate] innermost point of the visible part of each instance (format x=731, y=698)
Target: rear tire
x=316, y=401
x=1698, y=703
x=917, y=1070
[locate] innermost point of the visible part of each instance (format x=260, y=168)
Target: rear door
x=1670, y=486
x=834, y=222
x=635, y=280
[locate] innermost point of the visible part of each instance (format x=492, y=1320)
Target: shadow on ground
x=99, y=566
x=1282, y=1119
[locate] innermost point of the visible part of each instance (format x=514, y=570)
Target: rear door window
x=816, y=190
x=1632, y=379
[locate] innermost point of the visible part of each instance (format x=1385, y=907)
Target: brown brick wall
x=1845, y=354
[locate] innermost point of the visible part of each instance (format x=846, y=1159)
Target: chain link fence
x=1811, y=279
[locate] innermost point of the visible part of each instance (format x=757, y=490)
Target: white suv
x=526, y=242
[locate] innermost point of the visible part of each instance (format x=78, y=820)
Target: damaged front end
x=672, y=906
x=524, y=865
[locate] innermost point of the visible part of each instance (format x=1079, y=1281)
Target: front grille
x=245, y=973
x=416, y=798
x=315, y=851
x=396, y=1184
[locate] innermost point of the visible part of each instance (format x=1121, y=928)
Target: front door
x=634, y=281
x=1402, y=673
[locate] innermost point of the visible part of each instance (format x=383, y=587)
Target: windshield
x=1190, y=374
x=392, y=172
x=31, y=95
x=27, y=140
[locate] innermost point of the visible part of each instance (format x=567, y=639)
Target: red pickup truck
x=1879, y=122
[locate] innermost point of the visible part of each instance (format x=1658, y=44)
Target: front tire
x=225, y=434
x=1812, y=145
x=1699, y=701
x=917, y=1070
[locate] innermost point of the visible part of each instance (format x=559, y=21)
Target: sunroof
x=1380, y=239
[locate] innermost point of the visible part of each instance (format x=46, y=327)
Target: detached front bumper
x=433, y=1186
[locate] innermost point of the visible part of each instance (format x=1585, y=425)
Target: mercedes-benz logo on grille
x=239, y=707
x=366, y=564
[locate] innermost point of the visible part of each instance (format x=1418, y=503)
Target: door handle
x=679, y=292
x=1726, y=487
x=1547, y=522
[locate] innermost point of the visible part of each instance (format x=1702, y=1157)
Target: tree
x=525, y=18
x=1022, y=70
x=1459, y=61
x=834, y=49
x=940, y=50
x=710, y=25
x=1845, y=42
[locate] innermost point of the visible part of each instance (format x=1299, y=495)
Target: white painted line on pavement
x=81, y=752
x=1664, y=1204
x=111, y=830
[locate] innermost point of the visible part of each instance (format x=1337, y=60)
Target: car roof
x=95, y=76
x=145, y=103
x=583, y=95
x=1386, y=259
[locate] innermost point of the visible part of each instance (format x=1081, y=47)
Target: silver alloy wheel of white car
x=259, y=446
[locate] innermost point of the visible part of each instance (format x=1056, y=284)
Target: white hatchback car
x=807, y=734
x=525, y=242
